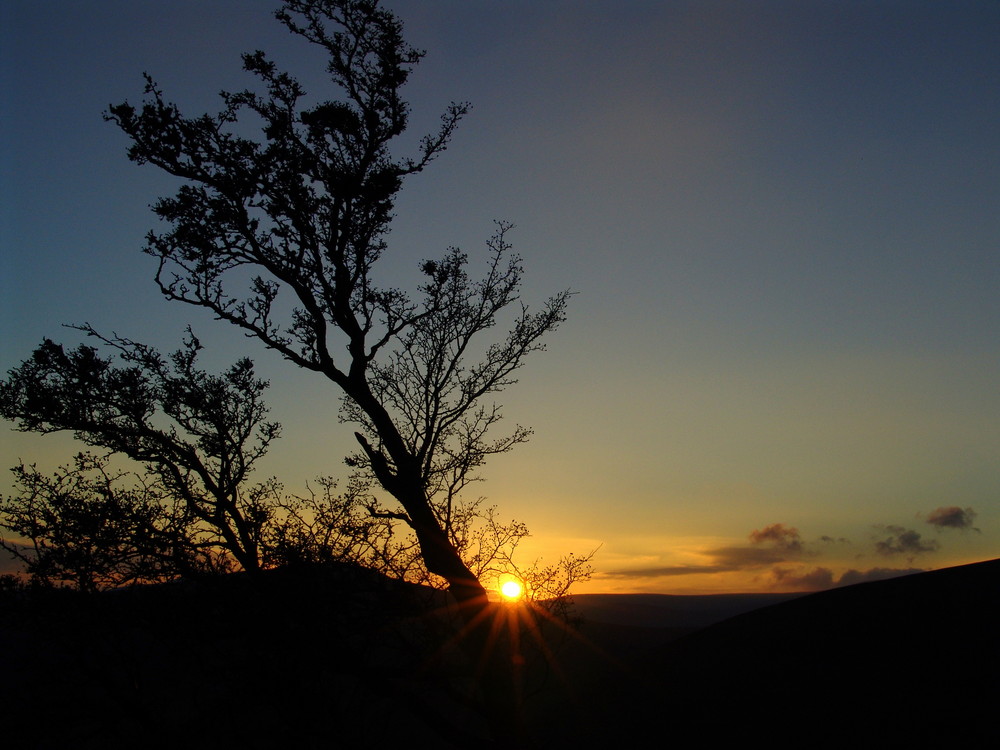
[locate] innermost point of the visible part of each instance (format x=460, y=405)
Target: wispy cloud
x=900, y=541
x=791, y=579
x=952, y=517
x=738, y=558
x=820, y=578
x=827, y=539
x=781, y=536
x=665, y=571
x=769, y=545
x=777, y=555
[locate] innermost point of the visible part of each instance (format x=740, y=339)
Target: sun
x=512, y=590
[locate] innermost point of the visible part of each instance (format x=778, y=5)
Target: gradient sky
x=781, y=220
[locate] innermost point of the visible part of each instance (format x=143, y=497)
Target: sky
x=780, y=220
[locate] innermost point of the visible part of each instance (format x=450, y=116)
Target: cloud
x=786, y=579
x=781, y=536
x=902, y=541
x=737, y=558
x=852, y=576
x=826, y=538
x=662, y=572
x=790, y=579
x=770, y=545
x=724, y=560
x=952, y=517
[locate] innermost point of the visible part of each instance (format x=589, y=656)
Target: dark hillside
x=891, y=663
x=338, y=657
x=308, y=658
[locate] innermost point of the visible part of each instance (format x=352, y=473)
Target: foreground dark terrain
x=338, y=657
x=912, y=661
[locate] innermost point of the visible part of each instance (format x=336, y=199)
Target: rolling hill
x=343, y=658
x=909, y=661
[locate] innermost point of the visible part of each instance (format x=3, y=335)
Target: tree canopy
x=279, y=235
x=198, y=434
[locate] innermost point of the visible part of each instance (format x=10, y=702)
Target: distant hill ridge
x=901, y=662
x=671, y=610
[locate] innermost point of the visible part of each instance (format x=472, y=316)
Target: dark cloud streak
x=902, y=541
x=781, y=536
x=952, y=517
x=666, y=571
x=817, y=579
x=770, y=545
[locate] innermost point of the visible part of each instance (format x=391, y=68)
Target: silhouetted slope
x=618, y=631
x=306, y=658
x=341, y=657
x=904, y=661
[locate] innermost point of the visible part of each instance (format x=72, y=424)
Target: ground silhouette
x=336, y=656
x=899, y=662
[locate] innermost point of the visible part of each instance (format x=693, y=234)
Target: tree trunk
x=441, y=557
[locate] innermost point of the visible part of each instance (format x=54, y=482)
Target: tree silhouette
x=303, y=213
x=193, y=510
x=90, y=528
x=198, y=434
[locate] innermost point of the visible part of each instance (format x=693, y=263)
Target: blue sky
x=781, y=221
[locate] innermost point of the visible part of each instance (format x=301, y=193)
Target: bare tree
x=325, y=525
x=198, y=434
x=303, y=212
x=89, y=526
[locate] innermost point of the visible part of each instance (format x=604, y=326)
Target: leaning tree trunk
x=404, y=481
x=440, y=555
x=487, y=635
